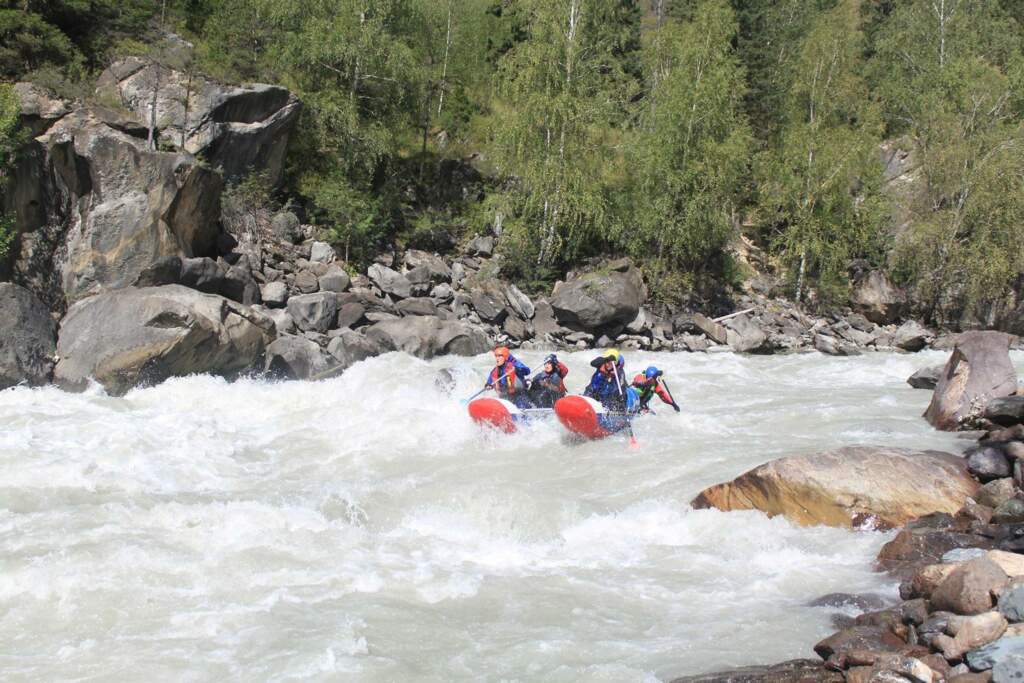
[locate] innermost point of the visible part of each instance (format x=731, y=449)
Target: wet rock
x=871, y=638
x=314, y=312
x=836, y=487
x=988, y=463
x=794, y=671
x=293, y=357
x=390, y=281
x=127, y=337
x=970, y=588
x=996, y=492
x=924, y=582
x=988, y=656
x=1006, y=411
x=968, y=633
x=978, y=371
x=426, y=337
x=600, y=299
x=1009, y=512
x=925, y=378
x=848, y=601
x=28, y=338
x=334, y=280
x=911, y=336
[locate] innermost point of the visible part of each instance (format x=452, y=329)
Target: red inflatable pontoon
x=587, y=418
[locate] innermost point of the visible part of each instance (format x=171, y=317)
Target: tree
x=691, y=151
x=10, y=140
x=819, y=186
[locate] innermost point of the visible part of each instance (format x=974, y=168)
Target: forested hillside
x=823, y=132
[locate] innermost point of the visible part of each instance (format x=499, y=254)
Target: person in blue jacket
x=608, y=383
x=508, y=378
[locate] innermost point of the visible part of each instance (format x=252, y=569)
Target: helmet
x=613, y=354
x=551, y=358
x=502, y=352
x=651, y=372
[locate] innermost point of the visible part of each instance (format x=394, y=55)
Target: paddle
x=629, y=425
x=466, y=401
x=676, y=405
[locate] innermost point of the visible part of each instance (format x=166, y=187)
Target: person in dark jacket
x=509, y=378
x=608, y=383
x=648, y=384
x=548, y=385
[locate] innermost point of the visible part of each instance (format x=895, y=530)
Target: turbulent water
x=362, y=528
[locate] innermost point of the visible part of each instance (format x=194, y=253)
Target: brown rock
x=891, y=485
x=970, y=588
x=794, y=671
x=715, y=332
x=983, y=677
x=928, y=578
x=876, y=638
x=968, y=633
x=996, y=492
x=978, y=371
x=1011, y=563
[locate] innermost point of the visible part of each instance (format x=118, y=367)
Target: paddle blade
x=634, y=445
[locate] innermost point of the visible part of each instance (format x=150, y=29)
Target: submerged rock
x=849, y=487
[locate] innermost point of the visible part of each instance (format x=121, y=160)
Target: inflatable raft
x=587, y=418
x=503, y=415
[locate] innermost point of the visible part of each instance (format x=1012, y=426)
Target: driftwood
x=732, y=315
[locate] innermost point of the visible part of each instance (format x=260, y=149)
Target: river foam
x=361, y=528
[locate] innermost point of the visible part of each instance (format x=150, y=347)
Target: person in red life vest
x=508, y=378
x=547, y=386
x=648, y=385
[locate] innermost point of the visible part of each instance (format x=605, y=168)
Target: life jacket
x=506, y=372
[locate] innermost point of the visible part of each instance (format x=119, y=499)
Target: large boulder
x=132, y=336
x=605, y=298
x=95, y=207
x=971, y=588
x=426, y=337
x=978, y=371
x=853, y=486
x=236, y=129
x=28, y=338
x=744, y=335
x=390, y=281
x=926, y=378
x=314, y=312
x=876, y=298
x=1007, y=411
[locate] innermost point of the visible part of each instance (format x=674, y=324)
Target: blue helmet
x=651, y=372
x=551, y=358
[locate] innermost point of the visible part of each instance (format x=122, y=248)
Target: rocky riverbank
x=959, y=553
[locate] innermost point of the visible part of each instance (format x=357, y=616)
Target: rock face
x=28, y=338
x=426, y=337
x=978, y=371
x=131, y=336
x=847, y=487
x=235, y=129
x=600, y=299
x=876, y=298
x=95, y=208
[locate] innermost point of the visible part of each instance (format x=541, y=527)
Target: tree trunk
x=444, y=69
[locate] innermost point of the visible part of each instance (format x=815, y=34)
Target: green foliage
x=819, y=186
x=10, y=140
x=690, y=155
x=27, y=42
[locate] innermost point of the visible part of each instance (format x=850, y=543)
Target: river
x=362, y=528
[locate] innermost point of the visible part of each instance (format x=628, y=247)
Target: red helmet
x=502, y=352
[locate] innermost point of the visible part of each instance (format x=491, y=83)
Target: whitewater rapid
x=362, y=528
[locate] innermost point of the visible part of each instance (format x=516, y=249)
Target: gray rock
x=442, y=292
x=458, y=274
x=235, y=129
x=517, y=328
x=911, y=336
x=416, y=307
x=39, y=107
x=481, y=245
x=306, y=282
x=131, y=336
x=350, y=347
x=600, y=299
x=988, y=463
x=987, y=656
x=350, y=314
x=163, y=271
x=489, y=302
x=284, y=226
x=239, y=285
x=203, y=274
x=28, y=338
x=274, y=294
x=834, y=347
x=283, y=322
x=744, y=335
x=314, y=312
x=996, y=492
x=714, y=331
x=433, y=264
x=978, y=371
x=1010, y=669
x=1009, y=512
x=519, y=302
x=426, y=337
x=1011, y=603
x=1006, y=411
x=321, y=252
x=292, y=357
x=334, y=280
x=925, y=378
x=390, y=281
x=877, y=299
x=544, y=323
